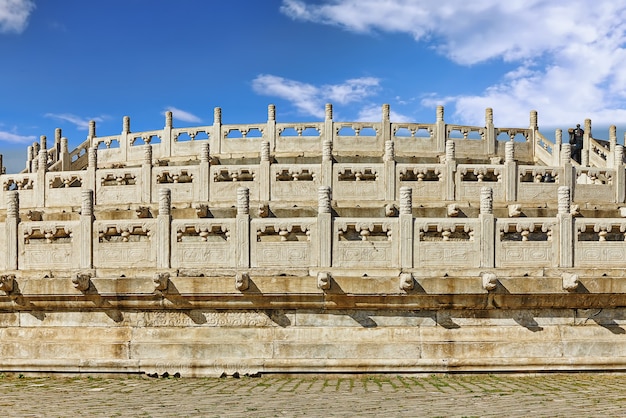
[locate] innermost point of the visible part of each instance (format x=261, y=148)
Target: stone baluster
x=204, y=183
x=490, y=132
x=487, y=223
x=406, y=227
x=271, y=127
x=450, y=161
x=126, y=124
x=329, y=131
x=612, y=137
x=324, y=226
x=243, y=228
x=566, y=228
x=167, y=141
x=264, y=172
x=41, y=183
x=218, y=135
x=620, y=174
x=569, y=171
x=146, y=174
x=92, y=168
x=11, y=229
x=57, y=142
x=510, y=170
x=86, y=229
x=327, y=163
x=386, y=123
x=389, y=168
x=125, y=138
x=440, y=130
x=29, y=159
x=164, y=222
x=66, y=161
x=586, y=137
x=534, y=130
x=556, y=151
x=92, y=129
x=43, y=143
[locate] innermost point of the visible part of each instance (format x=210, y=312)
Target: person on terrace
x=576, y=141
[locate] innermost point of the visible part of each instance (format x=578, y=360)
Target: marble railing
x=211, y=181
x=156, y=239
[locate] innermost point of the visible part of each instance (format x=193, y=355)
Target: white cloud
x=178, y=114
x=15, y=138
x=310, y=99
x=374, y=113
x=14, y=15
x=79, y=121
x=570, y=55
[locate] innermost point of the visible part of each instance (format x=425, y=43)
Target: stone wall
x=314, y=247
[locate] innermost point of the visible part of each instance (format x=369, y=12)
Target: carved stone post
x=612, y=143
x=271, y=127
x=510, y=169
x=124, y=137
x=390, y=171
x=66, y=161
x=584, y=158
x=204, y=183
x=43, y=142
x=164, y=222
x=166, y=138
x=487, y=228
x=534, y=130
x=386, y=123
x=29, y=159
x=57, y=142
x=146, y=175
x=450, y=170
x=556, y=152
x=327, y=163
x=243, y=227
x=11, y=227
x=490, y=132
x=126, y=124
x=406, y=227
x=568, y=168
x=218, y=135
x=92, y=167
x=324, y=227
x=440, y=130
x=329, y=131
x=41, y=184
x=586, y=136
x=620, y=183
x=566, y=228
x=264, y=172
x=86, y=230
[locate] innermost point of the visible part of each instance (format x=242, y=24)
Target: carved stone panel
x=281, y=254
x=521, y=254
x=452, y=254
x=593, y=254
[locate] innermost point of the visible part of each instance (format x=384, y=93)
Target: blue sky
x=65, y=62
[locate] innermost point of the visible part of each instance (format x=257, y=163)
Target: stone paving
x=546, y=395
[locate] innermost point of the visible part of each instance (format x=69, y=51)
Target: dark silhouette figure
x=576, y=141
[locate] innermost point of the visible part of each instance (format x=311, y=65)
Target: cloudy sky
x=66, y=62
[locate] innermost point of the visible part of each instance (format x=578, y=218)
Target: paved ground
x=552, y=395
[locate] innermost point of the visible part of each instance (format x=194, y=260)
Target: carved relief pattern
x=211, y=319
x=456, y=254
x=292, y=254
